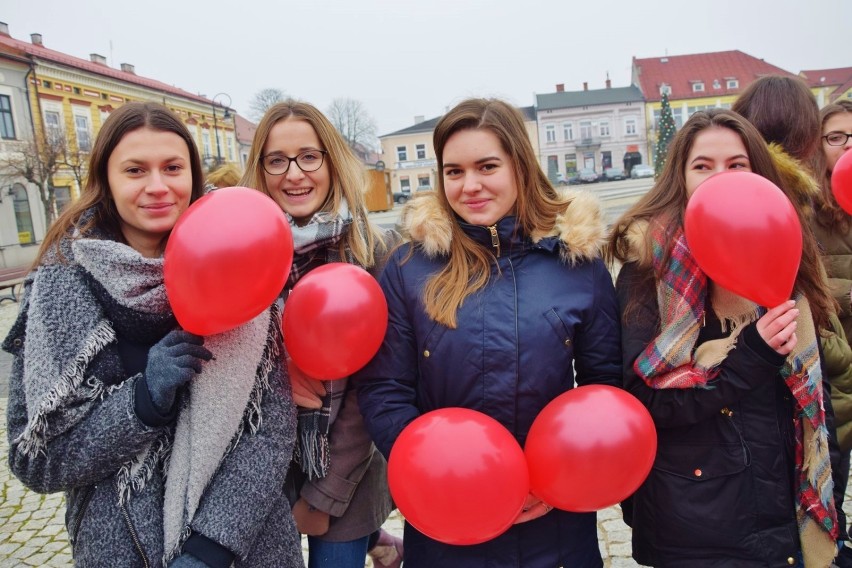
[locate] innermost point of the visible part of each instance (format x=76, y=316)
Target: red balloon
x=458, y=476
x=227, y=259
x=590, y=448
x=841, y=182
x=745, y=235
x=334, y=321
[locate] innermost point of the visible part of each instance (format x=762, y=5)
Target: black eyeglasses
x=278, y=164
x=837, y=138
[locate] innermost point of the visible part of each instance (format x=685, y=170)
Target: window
x=62, y=194
x=229, y=142
x=404, y=185
x=604, y=127
x=46, y=84
x=630, y=126
x=717, y=84
x=606, y=160
x=698, y=87
x=205, y=141
x=84, y=137
x=677, y=114
x=568, y=131
x=570, y=165
x=665, y=89
x=550, y=133
x=693, y=109
x=586, y=129
x=421, y=151
x=53, y=125
x=733, y=84
x=23, y=216
x=7, y=125
x=423, y=182
x=401, y=153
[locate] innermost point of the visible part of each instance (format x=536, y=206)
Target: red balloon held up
x=841, y=182
x=227, y=259
x=590, y=448
x=458, y=476
x=746, y=236
x=334, y=321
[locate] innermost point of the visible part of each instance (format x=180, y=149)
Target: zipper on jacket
x=83, y=508
x=133, y=533
x=495, y=239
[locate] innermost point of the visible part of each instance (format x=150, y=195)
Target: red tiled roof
x=681, y=71
x=827, y=77
x=41, y=52
x=245, y=129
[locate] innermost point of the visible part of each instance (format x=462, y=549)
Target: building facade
x=67, y=99
x=829, y=85
x=595, y=129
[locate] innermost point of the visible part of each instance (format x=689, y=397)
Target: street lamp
x=225, y=116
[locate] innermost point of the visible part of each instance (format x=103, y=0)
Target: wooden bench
x=11, y=279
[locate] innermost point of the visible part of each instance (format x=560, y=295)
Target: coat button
x=791, y=561
x=17, y=342
x=567, y=343
x=698, y=473
x=426, y=353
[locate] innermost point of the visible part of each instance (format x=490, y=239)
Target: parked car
x=400, y=197
x=613, y=174
x=642, y=171
x=587, y=175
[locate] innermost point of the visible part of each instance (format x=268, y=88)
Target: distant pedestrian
x=103, y=399
x=338, y=482
x=742, y=475
x=499, y=304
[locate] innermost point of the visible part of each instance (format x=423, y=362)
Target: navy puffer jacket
x=540, y=324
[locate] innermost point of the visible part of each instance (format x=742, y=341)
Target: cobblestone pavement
x=32, y=527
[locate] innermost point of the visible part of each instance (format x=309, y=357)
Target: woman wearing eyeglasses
x=338, y=481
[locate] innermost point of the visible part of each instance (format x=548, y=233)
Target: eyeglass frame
x=846, y=134
x=294, y=159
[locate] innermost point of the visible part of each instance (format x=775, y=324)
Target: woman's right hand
x=777, y=327
x=307, y=392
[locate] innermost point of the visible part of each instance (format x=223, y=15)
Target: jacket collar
x=577, y=234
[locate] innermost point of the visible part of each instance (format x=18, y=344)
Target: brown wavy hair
x=668, y=197
x=96, y=193
x=828, y=213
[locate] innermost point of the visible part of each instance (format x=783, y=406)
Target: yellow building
x=71, y=97
x=829, y=85
x=695, y=82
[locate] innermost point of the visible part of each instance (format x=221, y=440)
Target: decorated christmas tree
x=665, y=133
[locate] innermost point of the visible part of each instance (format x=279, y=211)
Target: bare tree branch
x=37, y=161
x=354, y=123
x=262, y=100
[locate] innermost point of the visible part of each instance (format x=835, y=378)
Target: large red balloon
x=458, y=476
x=745, y=235
x=841, y=182
x=334, y=321
x=227, y=259
x=590, y=448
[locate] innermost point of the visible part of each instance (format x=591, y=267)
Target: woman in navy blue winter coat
x=498, y=304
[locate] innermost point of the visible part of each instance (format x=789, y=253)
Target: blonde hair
x=226, y=175
x=538, y=204
x=348, y=180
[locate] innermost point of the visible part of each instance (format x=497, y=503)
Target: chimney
x=99, y=59
x=36, y=39
x=585, y=86
x=4, y=28
x=128, y=68
x=419, y=118
x=608, y=84
x=560, y=87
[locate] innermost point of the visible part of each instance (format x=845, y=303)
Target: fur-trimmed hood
x=796, y=179
x=580, y=227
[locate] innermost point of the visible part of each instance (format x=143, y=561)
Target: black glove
x=187, y=560
x=172, y=363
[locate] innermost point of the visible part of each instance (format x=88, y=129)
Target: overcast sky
x=403, y=58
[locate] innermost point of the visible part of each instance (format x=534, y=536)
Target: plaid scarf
x=315, y=244
x=669, y=362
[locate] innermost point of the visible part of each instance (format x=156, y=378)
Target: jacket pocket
x=78, y=503
x=565, y=351
x=698, y=496
x=430, y=343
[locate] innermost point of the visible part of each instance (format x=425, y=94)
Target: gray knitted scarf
x=314, y=244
